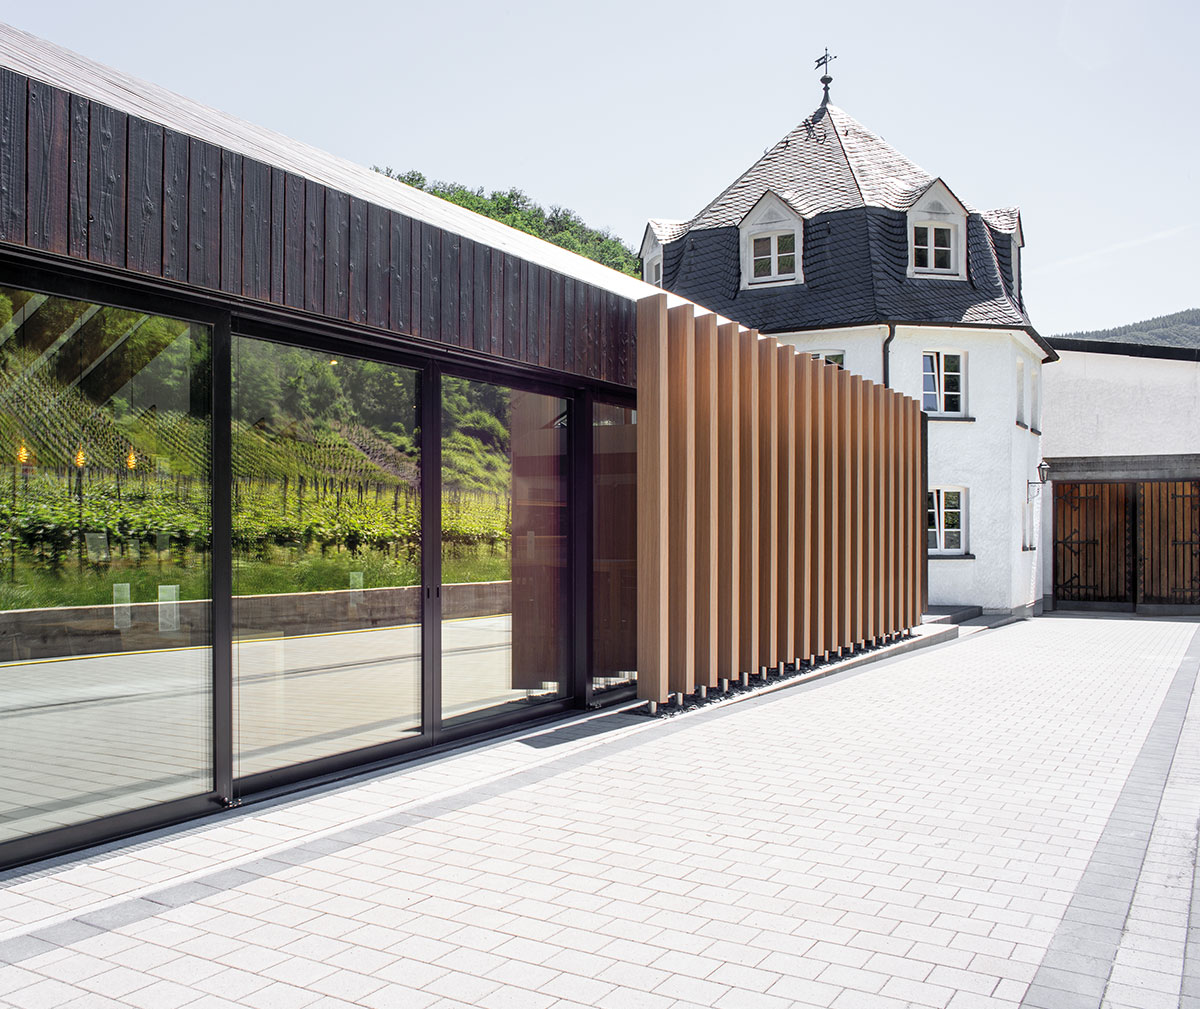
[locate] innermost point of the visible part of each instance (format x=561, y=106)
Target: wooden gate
x=1127, y=545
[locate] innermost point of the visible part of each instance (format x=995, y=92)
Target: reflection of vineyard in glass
x=104, y=464
x=106, y=456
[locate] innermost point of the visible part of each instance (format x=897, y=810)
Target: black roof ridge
x=1162, y=351
x=846, y=154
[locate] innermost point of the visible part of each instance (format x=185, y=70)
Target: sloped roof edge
x=59, y=67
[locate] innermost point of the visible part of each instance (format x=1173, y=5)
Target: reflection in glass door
x=326, y=554
x=105, y=573
x=504, y=596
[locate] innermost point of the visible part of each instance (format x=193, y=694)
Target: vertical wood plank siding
x=80, y=179
x=811, y=477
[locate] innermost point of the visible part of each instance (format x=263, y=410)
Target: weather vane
x=825, y=78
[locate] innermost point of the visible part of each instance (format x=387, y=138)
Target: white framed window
x=1020, y=391
x=653, y=271
x=937, y=234
x=772, y=244
x=946, y=520
x=773, y=256
x=944, y=382
x=933, y=248
x=837, y=357
x=1035, y=399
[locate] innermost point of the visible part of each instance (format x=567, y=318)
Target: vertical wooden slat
x=416, y=319
x=106, y=185
x=557, y=329
x=144, y=195
x=256, y=230
x=915, y=515
x=845, y=511
x=786, y=579
x=14, y=99
x=481, y=314
x=379, y=282
x=278, y=231
x=496, y=324
x=805, y=504
x=337, y=254
x=512, y=300
x=748, y=457
x=707, y=500
x=819, y=536
x=204, y=215
x=681, y=500
x=729, y=475
x=870, y=515
x=858, y=507
x=466, y=294
x=897, y=512
x=569, y=335
x=768, y=501
x=49, y=167
x=450, y=287
x=176, y=158
x=399, y=273
x=653, y=525
x=77, y=215
x=904, y=451
x=231, y=222
x=431, y=281
x=887, y=512
x=314, y=247
x=357, y=242
x=833, y=510
x=295, y=246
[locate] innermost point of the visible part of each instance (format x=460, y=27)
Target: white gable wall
x=990, y=456
x=1099, y=405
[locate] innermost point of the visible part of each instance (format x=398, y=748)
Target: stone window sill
x=951, y=557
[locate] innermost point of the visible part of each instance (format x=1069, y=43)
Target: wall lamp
x=1034, y=487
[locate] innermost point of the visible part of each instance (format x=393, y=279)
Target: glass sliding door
x=105, y=574
x=326, y=554
x=505, y=589
x=614, y=545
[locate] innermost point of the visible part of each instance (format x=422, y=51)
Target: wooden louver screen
x=780, y=506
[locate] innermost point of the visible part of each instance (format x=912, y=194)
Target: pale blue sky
x=1082, y=112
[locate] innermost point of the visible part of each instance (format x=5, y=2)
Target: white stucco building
x=836, y=243
x=1120, y=522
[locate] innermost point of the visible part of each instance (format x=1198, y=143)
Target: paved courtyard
x=1006, y=820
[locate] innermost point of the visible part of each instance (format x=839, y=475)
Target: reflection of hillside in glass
x=104, y=430
x=326, y=473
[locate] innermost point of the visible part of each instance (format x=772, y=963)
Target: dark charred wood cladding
x=82, y=180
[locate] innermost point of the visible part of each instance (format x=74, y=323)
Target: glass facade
x=105, y=576
x=326, y=478
x=213, y=566
x=505, y=590
x=614, y=545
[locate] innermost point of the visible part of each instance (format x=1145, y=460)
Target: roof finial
x=825, y=78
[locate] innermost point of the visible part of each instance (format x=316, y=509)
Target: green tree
x=515, y=208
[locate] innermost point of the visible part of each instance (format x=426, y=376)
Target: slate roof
x=853, y=191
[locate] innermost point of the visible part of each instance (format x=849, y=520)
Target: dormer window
x=772, y=240
x=775, y=256
x=937, y=229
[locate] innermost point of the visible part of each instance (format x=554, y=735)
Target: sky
x=1083, y=113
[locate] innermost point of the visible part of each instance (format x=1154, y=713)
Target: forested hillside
x=1182, y=329
x=558, y=225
